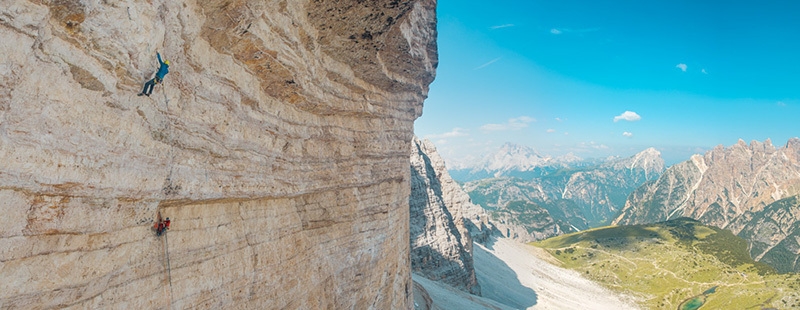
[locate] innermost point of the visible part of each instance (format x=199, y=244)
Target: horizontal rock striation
x=277, y=144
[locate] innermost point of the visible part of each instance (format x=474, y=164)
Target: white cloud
x=627, y=134
x=577, y=31
x=551, y=130
x=522, y=119
x=558, y=119
x=627, y=116
x=456, y=132
x=593, y=145
x=512, y=124
x=494, y=127
x=781, y=104
x=703, y=71
x=501, y=26
x=487, y=64
x=682, y=66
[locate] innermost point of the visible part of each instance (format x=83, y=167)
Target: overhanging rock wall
x=277, y=144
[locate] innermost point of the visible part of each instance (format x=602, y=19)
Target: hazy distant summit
x=649, y=162
x=512, y=157
x=564, y=198
x=513, y=160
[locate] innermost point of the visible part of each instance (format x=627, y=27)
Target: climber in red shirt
x=166, y=224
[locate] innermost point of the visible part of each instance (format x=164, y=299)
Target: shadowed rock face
x=277, y=144
x=444, y=222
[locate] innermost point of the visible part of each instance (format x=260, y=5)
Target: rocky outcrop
x=278, y=146
x=443, y=222
x=748, y=189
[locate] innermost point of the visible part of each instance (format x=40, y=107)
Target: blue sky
x=601, y=78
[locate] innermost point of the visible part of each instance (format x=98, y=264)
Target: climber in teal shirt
x=162, y=71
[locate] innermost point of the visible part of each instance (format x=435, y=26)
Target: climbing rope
x=169, y=270
x=171, y=153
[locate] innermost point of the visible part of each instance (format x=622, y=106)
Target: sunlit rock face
x=277, y=144
x=751, y=190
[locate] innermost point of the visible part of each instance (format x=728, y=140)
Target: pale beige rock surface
x=278, y=144
x=442, y=221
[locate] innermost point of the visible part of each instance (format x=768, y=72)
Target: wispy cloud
x=593, y=145
x=456, y=132
x=558, y=119
x=487, y=64
x=512, y=124
x=627, y=116
x=568, y=30
x=627, y=134
x=781, y=104
x=551, y=130
x=703, y=71
x=521, y=122
x=682, y=66
x=501, y=26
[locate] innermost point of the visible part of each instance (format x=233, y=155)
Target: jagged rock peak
x=793, y=143
x=648, y=160
x=729, y=188
x=442, y=222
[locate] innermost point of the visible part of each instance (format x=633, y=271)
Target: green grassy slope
x=667, y=263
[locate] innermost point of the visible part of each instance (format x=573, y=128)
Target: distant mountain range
x=566, y=197
x=751, y=190
x=516, y=161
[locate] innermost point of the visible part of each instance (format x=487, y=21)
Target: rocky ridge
x=278, y=144
x=565, y=200
x=443, y=222
x=748, y=189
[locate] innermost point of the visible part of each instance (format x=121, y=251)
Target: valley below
x=678, y=264
x=514, y=275
x=680, y=238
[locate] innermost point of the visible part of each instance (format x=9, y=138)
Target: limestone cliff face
x=278, y=145
x=443, y=222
